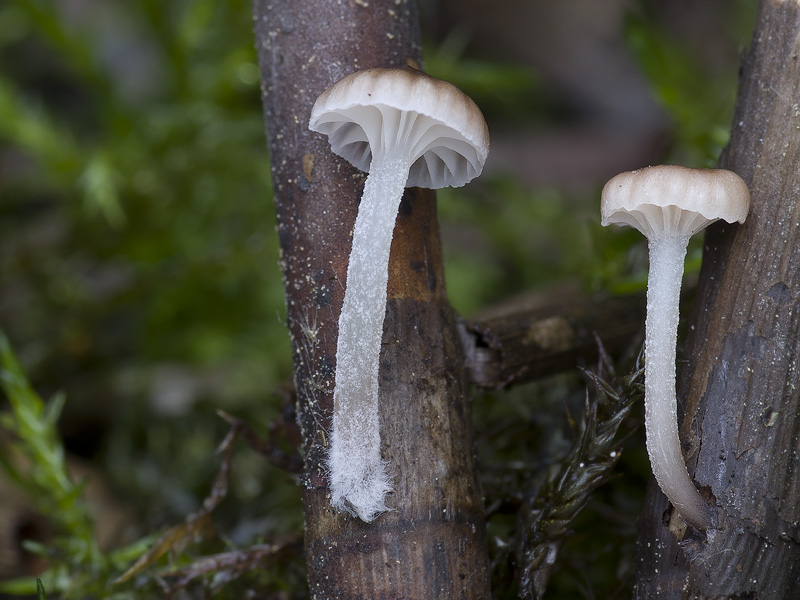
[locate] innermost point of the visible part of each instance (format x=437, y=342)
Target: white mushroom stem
x=357, y=474
x=667, y=255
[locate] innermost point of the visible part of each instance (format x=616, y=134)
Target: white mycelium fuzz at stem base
x=667, y=254
x=357, y=474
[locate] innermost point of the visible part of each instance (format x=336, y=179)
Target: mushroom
x=669, y=204
x=405, y=129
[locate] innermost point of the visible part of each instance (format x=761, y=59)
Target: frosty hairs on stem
x=405, y=129
x=669, y=204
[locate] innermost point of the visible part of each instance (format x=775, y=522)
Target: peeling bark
x=740, y=382
x=433, y=543
x=541, y=334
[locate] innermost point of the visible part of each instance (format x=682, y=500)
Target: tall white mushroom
x=405, y=129
x=669, y=204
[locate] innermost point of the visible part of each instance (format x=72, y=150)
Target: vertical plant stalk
x=424, y=410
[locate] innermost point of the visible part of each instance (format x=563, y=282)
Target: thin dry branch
x=543, y=333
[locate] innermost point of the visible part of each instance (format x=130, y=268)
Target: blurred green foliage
x=138, y=263
x=695, y=92
x=34, y=424
x=138, y=254
x=78, y=562
x=154, y=185
x=498, y=88
x=510, y=238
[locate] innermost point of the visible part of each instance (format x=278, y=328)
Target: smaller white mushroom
x=406, y=129
x=669, y=204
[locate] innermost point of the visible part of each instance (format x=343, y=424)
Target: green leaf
x=40, y=589
x=100, y=184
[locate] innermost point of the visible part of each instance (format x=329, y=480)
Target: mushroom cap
x=404, y=110
x=668, y=199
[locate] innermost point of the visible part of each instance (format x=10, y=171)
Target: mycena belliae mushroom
x=405, y=129
x=669, y=204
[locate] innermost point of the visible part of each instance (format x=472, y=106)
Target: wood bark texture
x=740, y=378
x=540, y=334
x=433, y=543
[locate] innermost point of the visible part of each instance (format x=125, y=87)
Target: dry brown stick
x=740, y=385
x=231, y=564
x=545, y=333
x=433, y=543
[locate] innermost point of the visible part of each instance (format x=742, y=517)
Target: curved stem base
x=661, y=406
